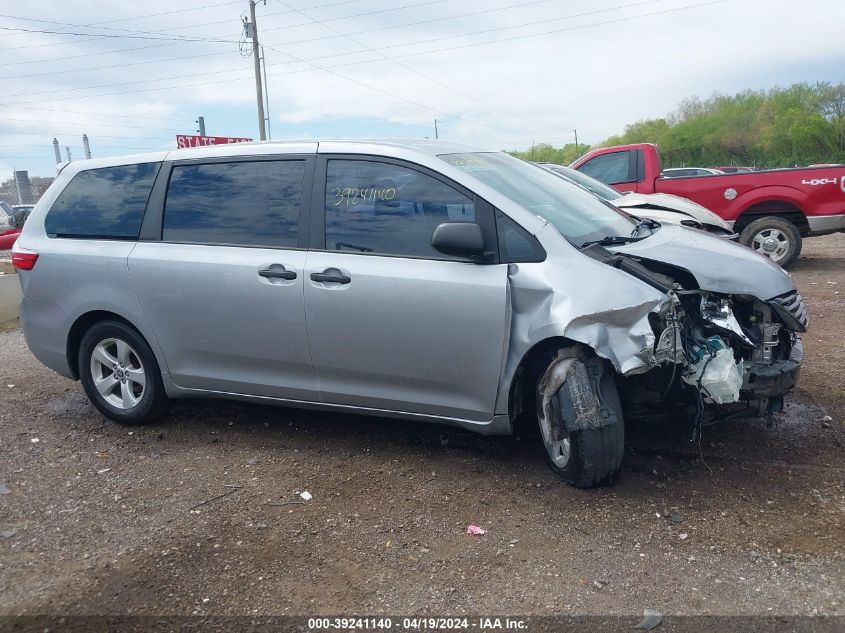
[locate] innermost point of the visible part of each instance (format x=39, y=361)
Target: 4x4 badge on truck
x=814, y=182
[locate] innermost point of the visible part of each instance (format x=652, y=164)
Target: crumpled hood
x=671, y=203
x=718, y=265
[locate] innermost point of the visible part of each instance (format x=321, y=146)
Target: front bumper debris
x=774, y=380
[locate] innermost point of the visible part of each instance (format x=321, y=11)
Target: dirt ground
x=100, y=519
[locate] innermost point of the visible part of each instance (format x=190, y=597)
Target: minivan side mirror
x=460, y=239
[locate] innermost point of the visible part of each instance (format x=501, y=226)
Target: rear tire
x=775, y=237
x=120, y=375
x=594, y=455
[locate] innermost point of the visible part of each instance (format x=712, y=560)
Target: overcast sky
x=496, y=73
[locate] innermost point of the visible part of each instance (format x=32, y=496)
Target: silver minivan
x=417, y=280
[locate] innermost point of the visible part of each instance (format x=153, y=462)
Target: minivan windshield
x=576, y=213
x=591, y=184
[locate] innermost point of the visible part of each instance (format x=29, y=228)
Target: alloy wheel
x=558, y=449
x=118, y=373
x=772, y=243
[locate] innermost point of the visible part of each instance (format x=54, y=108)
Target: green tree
x=797, y=125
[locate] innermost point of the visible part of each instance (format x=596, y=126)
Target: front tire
x=584, y=458
x=775, y=237
x=120, y=375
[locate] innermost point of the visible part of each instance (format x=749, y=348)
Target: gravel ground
x=101, y=519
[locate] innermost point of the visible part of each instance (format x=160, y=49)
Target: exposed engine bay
x=715, y=355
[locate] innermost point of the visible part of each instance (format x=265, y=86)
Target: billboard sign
x=185, y=140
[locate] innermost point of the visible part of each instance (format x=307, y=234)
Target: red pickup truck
x=771, y=210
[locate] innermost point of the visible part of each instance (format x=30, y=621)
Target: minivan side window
x=245, y=203
x=387, y=209
x=105, y=203
x=610, y=168
x=515, y=243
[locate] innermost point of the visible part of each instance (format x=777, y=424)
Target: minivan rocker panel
x=409, y=279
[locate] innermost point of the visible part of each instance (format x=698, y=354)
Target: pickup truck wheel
x=776, y=238
x=585, y=458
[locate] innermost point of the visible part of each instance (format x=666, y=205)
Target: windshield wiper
x=644, y=223
x=612, y=240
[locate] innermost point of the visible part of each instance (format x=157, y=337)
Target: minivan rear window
x=105, y=203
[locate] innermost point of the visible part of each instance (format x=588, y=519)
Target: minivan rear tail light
x=24, y=260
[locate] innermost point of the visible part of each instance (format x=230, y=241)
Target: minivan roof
x=387, y=147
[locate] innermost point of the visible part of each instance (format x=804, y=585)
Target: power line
x=122, y=116
x=155, y=15
x=62, y=43
x=93, y=124
x=433, y=79
x=263, y=15
x=94, y=36
x=125, y=83
x=314, y=39
x=150, y=15
x=139, y=63
x=524, y=24
x=130, y=32
x=364, y=14
x=414, y=54
x=202, y=7
x=415, y=71
x=100, y=35
x=97, y=146
x=97, y=53
x=302, y=41
x=99, y=6
x=427, y=21
x=42, y=145
x=390, y=94
x=43, y=133
x=345, y=17
x=376, y=50
x=427, y=2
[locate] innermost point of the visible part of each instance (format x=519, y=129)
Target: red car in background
x=771, y=210
x=11, y=222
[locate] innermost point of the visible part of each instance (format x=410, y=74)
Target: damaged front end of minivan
x=714, y=350
x=692, y=347
x=727, y=344
x=715, y=354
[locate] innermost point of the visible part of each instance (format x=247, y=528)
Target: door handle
x=329, y=278
x=276, y=271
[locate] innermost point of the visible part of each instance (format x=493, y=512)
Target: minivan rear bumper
x=45, y=327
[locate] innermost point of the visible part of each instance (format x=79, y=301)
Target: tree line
x=799, y=125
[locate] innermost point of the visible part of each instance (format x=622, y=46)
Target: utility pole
x=201, y=123
x=252, y=29
x=266, y=93
x=57, y=151
x=577, y=153
x=86, y=146
x=436, y=135
x=67, y=149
